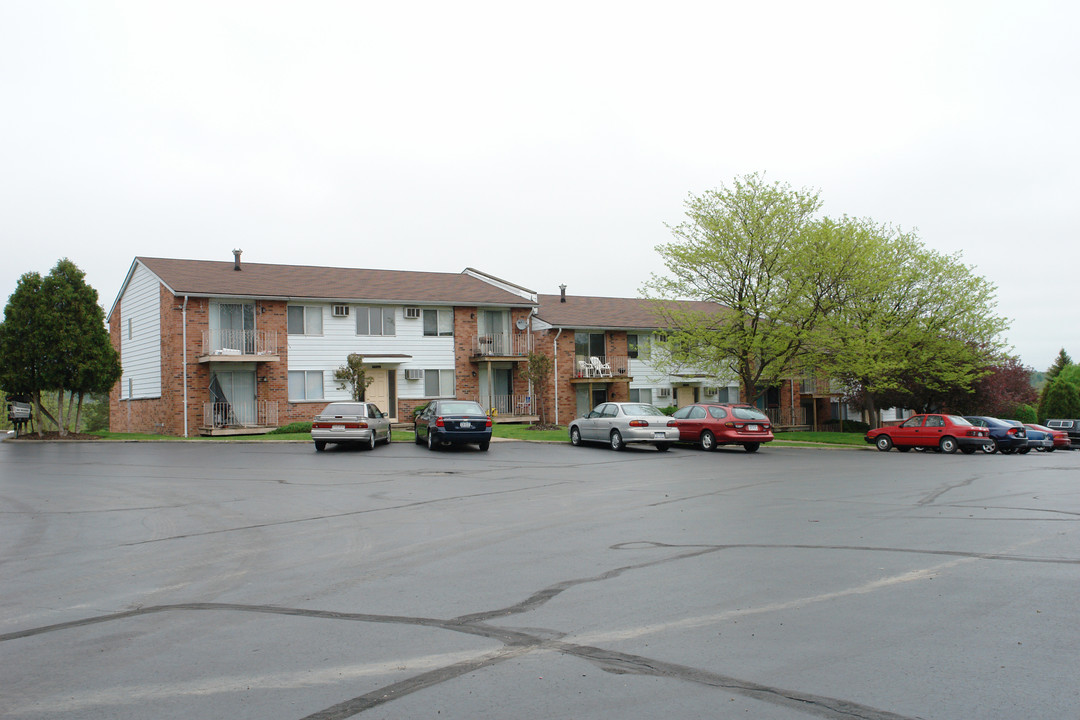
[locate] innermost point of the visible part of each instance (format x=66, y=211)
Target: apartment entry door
x=378, y=391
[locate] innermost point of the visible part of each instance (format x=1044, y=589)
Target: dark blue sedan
x=453, y=422
x=1004, y=436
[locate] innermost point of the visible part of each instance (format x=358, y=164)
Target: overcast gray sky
x=544, y=143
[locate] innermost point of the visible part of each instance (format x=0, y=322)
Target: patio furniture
x=601, y=369
x=583, y=368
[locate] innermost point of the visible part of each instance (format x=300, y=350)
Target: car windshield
x=461, y=408
x=343, y=409
x=749, y=414
x=957, y=420
x=640, y=409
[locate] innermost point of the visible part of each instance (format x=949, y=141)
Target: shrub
x=855, y=426
x=1024, y=413
x=296, y=427
x=669, y=410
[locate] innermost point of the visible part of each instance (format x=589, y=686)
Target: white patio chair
x=584, y=369
x=602, y=369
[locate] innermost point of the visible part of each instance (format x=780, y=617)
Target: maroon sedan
x=947, y=433
x=712, y=424
x=1062, y=441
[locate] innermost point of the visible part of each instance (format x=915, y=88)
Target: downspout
x=556, y=351
x=183, y=311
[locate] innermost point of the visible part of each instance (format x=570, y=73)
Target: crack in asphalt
x=351, y=513
x=517, y=642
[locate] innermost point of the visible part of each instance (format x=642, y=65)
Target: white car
x=621, y=423
x=360, y=423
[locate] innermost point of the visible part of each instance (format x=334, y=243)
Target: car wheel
x=1024, y=450
x=617, y=441
x=1050, y=449
x=575, y=436
x=884, y=443
x=751, y=447
x=1008, y=451
x=990, y=446
x=320, y=445
x=902, y=449
x=948, y=445
x=708, y=442
x=663, y=447
x=389, y=433
x=484, y=446
x=370, y=444
x=968, y=449
x=430, y=440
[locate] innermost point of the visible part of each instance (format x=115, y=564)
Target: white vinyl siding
x=329, y=351
x=140, y=344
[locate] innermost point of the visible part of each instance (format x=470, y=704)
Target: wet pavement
x=253, y=580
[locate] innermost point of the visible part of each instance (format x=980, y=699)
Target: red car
x=713, y=424
x=1062, y=441
x=947, y=433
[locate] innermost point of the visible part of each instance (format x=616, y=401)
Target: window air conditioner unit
x=663, y=392
x=712, y=391
x=341, y=311
x=412, y=313
x=414, y=374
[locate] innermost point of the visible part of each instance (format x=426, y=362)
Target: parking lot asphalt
x=167, y=580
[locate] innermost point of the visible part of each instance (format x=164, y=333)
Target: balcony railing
x=254, y=413
x=820, y=387
x=502, y=345
x=507, y=405
x=599, y=366
x=239, y=342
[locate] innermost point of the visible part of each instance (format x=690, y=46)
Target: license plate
x=659, y=435
x=337, y=427
x=466, y=425
x=751, y=427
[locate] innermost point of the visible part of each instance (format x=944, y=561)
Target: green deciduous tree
x=353, y=376
x=755, y=249
x=537, y=371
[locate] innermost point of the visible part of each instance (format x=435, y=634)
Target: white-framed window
x=305, y=385
x=439, y=323
x=305, y=319
x=638, y=345
x=378, y=320
x=438, y=383
x=643, y=395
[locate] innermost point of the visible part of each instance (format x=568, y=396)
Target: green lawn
x=829, y=438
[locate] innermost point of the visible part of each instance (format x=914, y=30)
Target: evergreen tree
x=1060, y=363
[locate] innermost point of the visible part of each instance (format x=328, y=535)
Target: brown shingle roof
x=610, y=313
x=208, y=277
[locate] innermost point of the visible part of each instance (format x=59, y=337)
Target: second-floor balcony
x=233, y=345
x=502, y=345
x=820, y=387
x=600, y=366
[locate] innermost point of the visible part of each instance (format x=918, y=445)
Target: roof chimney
x=236, y=259
x=562, y=289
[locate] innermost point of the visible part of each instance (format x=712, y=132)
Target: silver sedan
x=619, y=424
x=360, y=423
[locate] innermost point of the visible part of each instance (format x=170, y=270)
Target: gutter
x=555, y=347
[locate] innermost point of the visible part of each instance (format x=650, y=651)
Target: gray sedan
x=358, y=423
x=619, y=424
